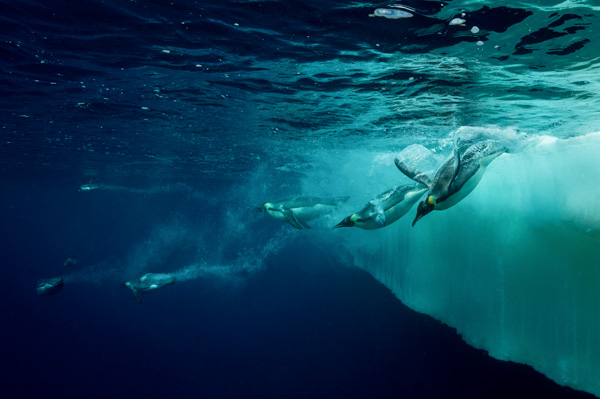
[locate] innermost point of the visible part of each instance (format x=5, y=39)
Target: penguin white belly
x=394, y=212
x=401, y=208
x=312, y=212
x=277, y=214
x=463, y=192
x=391, y=215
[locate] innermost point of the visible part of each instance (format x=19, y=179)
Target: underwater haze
x=139, y=137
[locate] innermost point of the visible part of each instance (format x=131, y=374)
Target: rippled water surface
x=231, y=81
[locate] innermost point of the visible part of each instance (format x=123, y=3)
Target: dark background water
x=173, y=106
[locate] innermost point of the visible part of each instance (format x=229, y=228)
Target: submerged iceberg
x=515, y=267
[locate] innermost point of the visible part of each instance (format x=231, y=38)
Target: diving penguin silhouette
x=297, y=211
x=456, y=178
x=386, y=208
x=149, y=282
x=53, y=285
x=49, y=286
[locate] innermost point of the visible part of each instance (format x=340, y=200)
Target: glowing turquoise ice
x=515, y=266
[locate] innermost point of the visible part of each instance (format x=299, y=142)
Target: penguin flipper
x=456, y=161
x=291, y=219
x=136, y=295
x=412, y=173
x=304, y=224
x=477, y=156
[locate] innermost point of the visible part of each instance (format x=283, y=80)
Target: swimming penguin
x=52, y=286
x=149, y=282
x=297, y=211
x=456, y=178
x=88, y=187
x=386, y=208
x=49, y=286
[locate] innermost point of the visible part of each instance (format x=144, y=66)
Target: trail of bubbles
x=163, y=240
x=108, y=269
x=144, y=256
x=203, y=270
x=150, y=254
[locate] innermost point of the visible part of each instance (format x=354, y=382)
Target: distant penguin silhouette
x=88, y=187
x=297, y=211
x=53, y=285
x=149, y=282
x=386, y=208
x=456, y=178
x=49, y=286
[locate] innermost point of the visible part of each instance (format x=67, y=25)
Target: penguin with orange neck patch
x=386, y=208
x=456, y=178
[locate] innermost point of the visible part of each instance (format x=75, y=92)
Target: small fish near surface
x=391, y=13
x=457, y=22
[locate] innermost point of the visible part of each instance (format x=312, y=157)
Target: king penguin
x=456, y=178
x=149, y=282
x=386, y=208
x=297, y=211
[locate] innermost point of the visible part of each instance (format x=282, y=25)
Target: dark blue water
x=306, y=325
x=190, y=113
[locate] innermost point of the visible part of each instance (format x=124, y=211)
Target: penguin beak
x=416, y=219
x=423, y=209
x=347, y=222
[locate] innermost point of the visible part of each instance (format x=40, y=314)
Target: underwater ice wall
x=515, y=267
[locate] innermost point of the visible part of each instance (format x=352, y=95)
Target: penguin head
x=425, y=206
x=262, y=208
x=347, y=222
